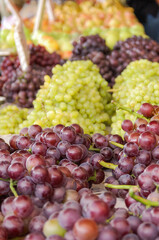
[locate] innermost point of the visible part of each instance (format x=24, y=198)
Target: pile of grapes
x=21, y=87
x=75, y=93
x=137, y=84
x=112, y=63
x=93, y=48
x=136, y=170
x=132, y=49
x=46, y=175
x=10, y=118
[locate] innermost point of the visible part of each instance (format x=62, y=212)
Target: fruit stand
x=79, y=122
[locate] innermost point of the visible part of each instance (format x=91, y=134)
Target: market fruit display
x=10, y=118
x=46, y=175
x=113, y=35
x=93, y=47
x=111, y=21
x=75, y=93
x=44, y=178
x=107, y=14
x=137, y=84
x=21, y=87
x=132, y=49
x=112, y=63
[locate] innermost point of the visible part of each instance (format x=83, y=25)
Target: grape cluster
x=75, y=93
x=21, y=87
x=45, y=177
x=136, y=170
x=137, y=84
x=132, y=49
x=10, y=118
x=93, y=48
x=48, y=171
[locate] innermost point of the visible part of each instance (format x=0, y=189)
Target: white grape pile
x=137, y=84
x=10, y=118
x=76, y=93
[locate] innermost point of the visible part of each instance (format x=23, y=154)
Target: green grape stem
x=117, y=144
x=118, y=106
x=92, y=178
x=108, y=165
x=144, y=201
x=5, y=180
x=12, y=188
x=94, y=149
x=119, y=186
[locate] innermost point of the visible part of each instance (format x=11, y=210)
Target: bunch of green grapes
x=76, y=93
x=137, y=84
x=10, y=118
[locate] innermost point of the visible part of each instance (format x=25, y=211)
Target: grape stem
x=117, y=144
x=92, y=178
x=144, y=201
x=119, y=186
x=5, y=180
x=12, y=188
x=108, y=165
x=94, y=149
x=8, y=180
x=118, y=106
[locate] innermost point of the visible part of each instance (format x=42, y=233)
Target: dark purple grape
x=36, y=224
x=58, y=194
x=39, y=148
x=121, y=225
x=52, y=139
x=138, y=169
x=126, y=164
x=145, y=182
x=25, y=186
x=107, y=153
x=144, y=157
x=147, y=141
x=127, y=125
x=62, y=147
x=147, y=231
x=108, y=232
x=75, y=153
x=56, y=176
x=109, y=198
x=14, y=226
x=131, y=149
x=134, y=222
x=43, y=191
x=39, y=174
x=147, y=110
x=33, y=130
x=34, y=236
x=68, y=134
x=23, y=142
x=67, y=217
x=130, y=236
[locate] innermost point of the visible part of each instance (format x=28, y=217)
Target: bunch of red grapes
x=21, y=87
x=46, y=177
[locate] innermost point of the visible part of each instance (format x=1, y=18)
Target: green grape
x=137, y=84
x=10, y=118
x=76, y=93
